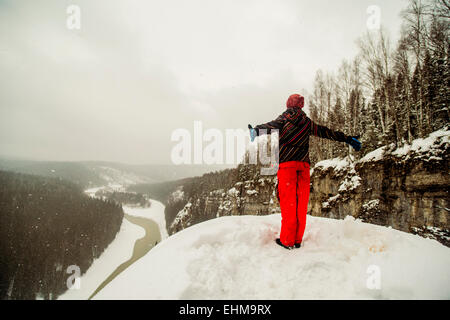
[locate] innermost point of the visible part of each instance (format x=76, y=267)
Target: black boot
x=278, y=241
x=298, y=245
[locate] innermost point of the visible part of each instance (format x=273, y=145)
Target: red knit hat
x=295, y=101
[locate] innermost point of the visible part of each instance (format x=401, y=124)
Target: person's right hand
x=253, y=133
x=354, y=142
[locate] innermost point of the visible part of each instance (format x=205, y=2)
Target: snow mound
x=236, y=258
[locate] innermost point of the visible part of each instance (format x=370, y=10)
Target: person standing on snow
x=293, y=173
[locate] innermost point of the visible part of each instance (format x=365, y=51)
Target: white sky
x=137, y=70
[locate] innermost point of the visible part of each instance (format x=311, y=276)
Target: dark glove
x=354, y=142
x=253, y=132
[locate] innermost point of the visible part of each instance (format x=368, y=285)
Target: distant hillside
x=47, y=225
x=155, y=173
x=75, y=172
x=88, y=174
x=158, y=191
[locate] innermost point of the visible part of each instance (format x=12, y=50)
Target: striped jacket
x=294, y=130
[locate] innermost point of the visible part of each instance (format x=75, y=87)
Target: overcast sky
x=136, y=70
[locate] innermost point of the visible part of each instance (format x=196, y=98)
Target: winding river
x=141, y=247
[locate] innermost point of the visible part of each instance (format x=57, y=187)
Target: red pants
x=293, y=192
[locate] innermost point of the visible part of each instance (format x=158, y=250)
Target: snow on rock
x=183, y=213
x=233, y=192
x=350, y=183
x=375, y=155
x=330, y=201
x=370, y=205
x=177, y=195
x=431, y=147
x=236, y=258
x=336, y=163
x=224, y=206
x=432, y=232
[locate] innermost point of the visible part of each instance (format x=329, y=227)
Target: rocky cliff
x=410, y=196
x=243, y=192
x=405, y=188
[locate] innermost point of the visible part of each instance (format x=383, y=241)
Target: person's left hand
x=253, y=133
x=354, y=142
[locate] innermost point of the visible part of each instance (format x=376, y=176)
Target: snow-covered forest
x=46, y=226
x=390, y=92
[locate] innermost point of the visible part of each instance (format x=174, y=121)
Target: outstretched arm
x=324, y=132
x=267, y=128
x=327, y=133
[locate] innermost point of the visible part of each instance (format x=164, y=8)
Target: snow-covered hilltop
x=236, y=258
